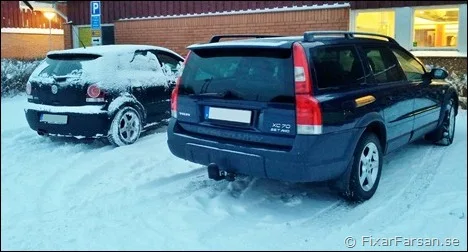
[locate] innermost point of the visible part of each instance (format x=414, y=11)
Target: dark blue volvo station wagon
x=325, y=106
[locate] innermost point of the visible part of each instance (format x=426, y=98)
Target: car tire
x=126, y=127
x=445, y=133
x=365, y=170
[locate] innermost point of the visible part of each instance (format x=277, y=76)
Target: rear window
x=63, y=65
x=245, y=74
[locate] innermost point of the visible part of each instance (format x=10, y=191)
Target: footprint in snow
x=458, y=213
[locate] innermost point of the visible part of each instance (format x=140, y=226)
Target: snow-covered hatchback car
x=113, y=91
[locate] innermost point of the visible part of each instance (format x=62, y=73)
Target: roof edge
x=249, y=11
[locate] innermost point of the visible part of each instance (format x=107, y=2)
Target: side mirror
x=439, y=73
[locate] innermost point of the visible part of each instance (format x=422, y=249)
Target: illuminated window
x=435, y=27
x=382, y=22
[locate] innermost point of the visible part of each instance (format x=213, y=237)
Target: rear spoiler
x=216, y=38
x=72, y=56
x=310, y=36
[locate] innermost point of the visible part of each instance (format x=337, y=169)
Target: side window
x=337, y=66
x=168, y=59
x=414, y=71
x=144, y=60
x=383, y=64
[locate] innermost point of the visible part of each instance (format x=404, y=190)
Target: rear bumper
x=83, y=121
x=312, y=158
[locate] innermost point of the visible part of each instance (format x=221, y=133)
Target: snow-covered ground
x=65, y=194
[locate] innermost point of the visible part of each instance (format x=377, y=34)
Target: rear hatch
x=59, y=80
x=239, y=95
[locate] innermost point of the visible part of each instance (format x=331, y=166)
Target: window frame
x=357, y=52
x=146, y=53
x=412, y=33
x=171, y=55
x=371, y=73
x=354, y=16
x=412, y=57
x=405, y=34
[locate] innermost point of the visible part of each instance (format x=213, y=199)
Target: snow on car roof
x=110, y=49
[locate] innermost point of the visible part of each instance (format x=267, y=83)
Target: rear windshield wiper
x=205, y=85
x=226, y=94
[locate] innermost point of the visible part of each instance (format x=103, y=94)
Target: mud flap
x=341, y=184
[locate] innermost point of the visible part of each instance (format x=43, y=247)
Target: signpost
x=96, y=34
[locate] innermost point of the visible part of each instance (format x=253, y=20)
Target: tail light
x=94, y=94
x=175, y=92
x=28, y=88
x=308, y=113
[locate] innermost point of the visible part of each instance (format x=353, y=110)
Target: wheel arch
x=125, y=100
x=378, y=128
x=454, y=95
x=450, y=93
x=374, y=122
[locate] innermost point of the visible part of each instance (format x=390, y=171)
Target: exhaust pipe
x=215, y=173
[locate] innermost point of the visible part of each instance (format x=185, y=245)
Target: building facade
x=435, y=31
x=25, y=32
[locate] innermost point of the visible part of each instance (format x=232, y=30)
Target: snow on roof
x=110, y=49
x=249, y=11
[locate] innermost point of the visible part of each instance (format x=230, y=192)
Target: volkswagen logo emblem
x=54, y=89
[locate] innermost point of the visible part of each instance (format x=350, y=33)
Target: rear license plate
x=230, y=115
x=54, y=119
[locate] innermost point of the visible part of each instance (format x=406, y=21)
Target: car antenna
x=81, y=42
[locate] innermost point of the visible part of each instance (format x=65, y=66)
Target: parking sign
x=95, y=22
x=95, y=8
x=95, y=11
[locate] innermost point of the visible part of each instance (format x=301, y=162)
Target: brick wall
x=178, y=33
x=68, y=36
x=452, y=64
x=29, y=46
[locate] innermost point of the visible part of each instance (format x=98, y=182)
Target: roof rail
x=216, y=38
x=310, y=35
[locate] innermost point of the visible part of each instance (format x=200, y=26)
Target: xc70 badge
x=281, y=127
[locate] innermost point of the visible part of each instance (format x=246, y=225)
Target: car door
x=340, y=81
x=146, y=82
x=169, y=61
x=161, y=95
x=428, y=96
x=394, y=93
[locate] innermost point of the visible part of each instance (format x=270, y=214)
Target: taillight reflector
x=308, y=112
x=94, y=94
x=28, y=88
x=174, y=99
x=175, y=92
x=93, y=91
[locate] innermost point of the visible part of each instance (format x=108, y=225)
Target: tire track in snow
x=339, y=215
x=412, y=192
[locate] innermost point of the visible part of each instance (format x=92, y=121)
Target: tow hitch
x=216, y=174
